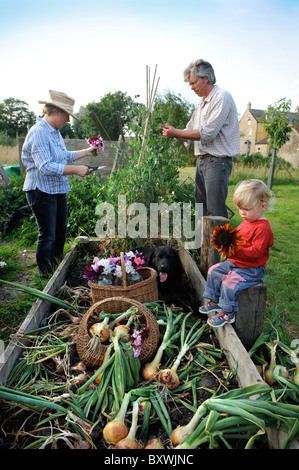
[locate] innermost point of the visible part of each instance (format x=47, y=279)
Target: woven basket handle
x=123, y=268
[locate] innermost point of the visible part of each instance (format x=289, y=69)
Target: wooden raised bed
x=236, y=354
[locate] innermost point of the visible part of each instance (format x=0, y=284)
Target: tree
x=278, y=126
x=106, y=111
x=15, y=117
x=173, y=110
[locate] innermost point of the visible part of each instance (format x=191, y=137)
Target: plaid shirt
x=216, y=118
x=44, y=155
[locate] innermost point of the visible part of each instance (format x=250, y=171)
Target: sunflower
x=226, y=240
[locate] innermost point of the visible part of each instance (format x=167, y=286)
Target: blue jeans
x=225, y=281
x=50, y=212
x=211, y=184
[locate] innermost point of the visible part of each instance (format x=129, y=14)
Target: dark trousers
x=50, y=211
x=211, y=184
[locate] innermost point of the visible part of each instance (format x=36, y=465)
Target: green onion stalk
x=151, y=369
x=116, y=429
x=169, y=377
x=256, y=414
x=130, y=442
x=181, y=432
x=40, y=294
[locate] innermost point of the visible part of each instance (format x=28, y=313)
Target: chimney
x=249, y=105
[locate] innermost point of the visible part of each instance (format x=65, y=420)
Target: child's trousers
x=225, y=281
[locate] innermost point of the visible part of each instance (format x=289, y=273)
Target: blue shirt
x=44, y=155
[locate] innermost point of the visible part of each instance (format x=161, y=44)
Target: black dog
x=172, y=281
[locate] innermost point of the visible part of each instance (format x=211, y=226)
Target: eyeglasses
x=194, y=83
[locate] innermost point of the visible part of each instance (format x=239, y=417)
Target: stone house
x=253, y=137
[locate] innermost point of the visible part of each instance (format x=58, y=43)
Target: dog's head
x=167, y=263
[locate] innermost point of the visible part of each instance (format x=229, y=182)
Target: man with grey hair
x=214, y=128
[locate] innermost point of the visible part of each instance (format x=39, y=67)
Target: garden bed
x=231, y=367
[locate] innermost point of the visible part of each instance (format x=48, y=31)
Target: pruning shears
x=94, y=168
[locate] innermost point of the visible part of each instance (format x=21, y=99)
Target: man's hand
x=168, y=131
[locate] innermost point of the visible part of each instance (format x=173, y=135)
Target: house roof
x=262, y=141
x=257, y=113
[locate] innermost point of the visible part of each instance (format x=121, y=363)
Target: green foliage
x=15, y=118
x=106, y=110
x=82, y=200
x=256, y=160
x=5, y=139
x=11, y=198
x=277, y=124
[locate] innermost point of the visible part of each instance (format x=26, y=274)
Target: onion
x=130, y=442
x=122, y=332
x=80, y=366
x=269, y=372
x=60, y=364
x=183, y=431
x=116, y=430
x=154, y=443
x=101, y=330
x=169, y=377
x=127, y=443
x=89, y=428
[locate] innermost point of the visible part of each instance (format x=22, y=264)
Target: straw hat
x=61, y=101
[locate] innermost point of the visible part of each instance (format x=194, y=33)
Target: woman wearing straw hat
x=45, y=158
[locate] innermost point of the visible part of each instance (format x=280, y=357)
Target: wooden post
x=209, y=255
x=252, y=301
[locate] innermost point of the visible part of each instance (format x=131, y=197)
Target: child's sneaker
x=220, y=319
x=210, y=307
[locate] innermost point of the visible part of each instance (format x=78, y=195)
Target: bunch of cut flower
x=97, y=142
x=109, y=270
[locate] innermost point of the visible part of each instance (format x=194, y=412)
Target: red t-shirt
x=254, y=251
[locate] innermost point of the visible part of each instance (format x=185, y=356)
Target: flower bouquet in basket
x=109, y=270
x=97, y=142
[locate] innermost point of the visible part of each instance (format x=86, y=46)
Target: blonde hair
x=249, y=192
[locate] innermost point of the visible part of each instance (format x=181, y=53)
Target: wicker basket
x=149, y=344
x=143, y=291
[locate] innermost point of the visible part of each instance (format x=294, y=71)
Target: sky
x=88, y=48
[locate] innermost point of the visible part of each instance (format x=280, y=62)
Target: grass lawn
x=282, y=278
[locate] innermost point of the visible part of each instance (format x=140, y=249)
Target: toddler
x=247, y=266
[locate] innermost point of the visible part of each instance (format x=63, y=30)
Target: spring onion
x=151, y=369
x=116, y=429
x=169, y=377
x=130, y=442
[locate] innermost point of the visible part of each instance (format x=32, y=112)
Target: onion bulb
x=169, y=378
x=101, y=330
x=80, y=366
x=129, y=442
x=123, y=333
x=181, y=432
x=154, y=443
x=269, y=372
x=116, y=429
